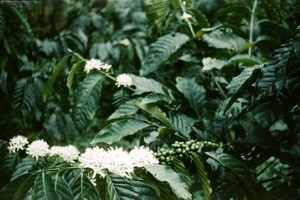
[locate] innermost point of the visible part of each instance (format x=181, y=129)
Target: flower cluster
x=96, y=64
x=124, y=80
x=100, y=161
x=116, y=160
x=185, y=16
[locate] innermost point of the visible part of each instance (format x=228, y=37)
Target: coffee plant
x=150, y=99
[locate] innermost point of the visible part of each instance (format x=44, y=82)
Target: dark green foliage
x=217, y=98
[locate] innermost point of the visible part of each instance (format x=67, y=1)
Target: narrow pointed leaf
x=56, y=71
x=205, y=182
x=44, y=187
x=155, y=112
x=119, y=188
x=193, y=92
x=123, y=110
x=119, y=129
x=63, y=189
x=164, y=173
x=77, y=66
x=249, y=183
x=161, y=50
x=87, y=100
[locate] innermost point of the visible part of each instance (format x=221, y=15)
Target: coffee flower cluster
x=96, y=64
x=98, y=160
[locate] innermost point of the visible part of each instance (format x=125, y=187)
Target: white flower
x=96, y=64
x=119, y=162
x=125, y=42
x=123, y=80
x=94, y=158
x=106, y=66
x=17, y=143
x=185, y=16
x=93, y=64
x=69, y=153
x=38, y=148
x=206, y=61
x=142, y=156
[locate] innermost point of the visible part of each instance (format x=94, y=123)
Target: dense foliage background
x=216, y=95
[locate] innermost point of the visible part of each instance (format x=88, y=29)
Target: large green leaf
x=123, y=110
x=17, y=189
x=165, y=173
x=247, y=60
x=223, y=40
x=24, y=96
x=119, y=129
x=241, y=83
x=181, y=169
x=161, y=50
x=144, y=85
x=119, y=188
x=23, y=167
x=156, y=11
x=53, y=77
x=193, y=92
x=296, y=43
x=76, y=67
x=86, y=100
x=63, y=189
x=156, y=112
x=154, y=98
x=272, y=77
x=181, y=124
x=252, y=187
x=205, y=182
x=44, y=187
x=83, y=188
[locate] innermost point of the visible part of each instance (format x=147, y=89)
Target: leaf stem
x=187, y=20
x=251, y=26
x=218, y=85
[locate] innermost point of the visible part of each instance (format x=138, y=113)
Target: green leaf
x=247, y=60
x=249, y=183
x=156, y=11
x=86, y=100
x=296, y=43
x=154, y=98
x=53, y=77
x=144, y=85
x=272, y=77
x=24, y=97
x=223, y=40
x=181, y=124
x=23, y=167
x=119, y=188
x=82, y=188
x=77, y=66
x=164, y=173
x=124, y=110
x=119, y=129
x=155, y=112
x=120, y=97
x=161, y=50
x=44, y=187
x=2, y=24
x=17, y=189
x=63, y=189
x=193, y=92
x=268, y=110
x=241, y=83
x=205, y=182
x=181, y=169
